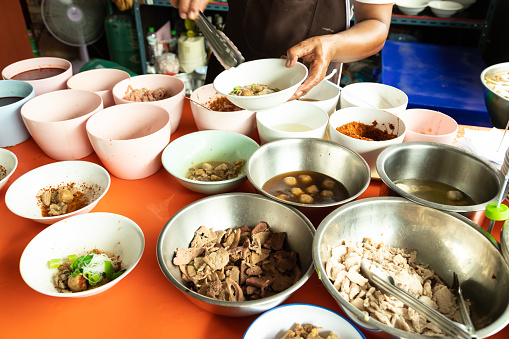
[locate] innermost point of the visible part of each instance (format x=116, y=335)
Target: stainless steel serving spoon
x=387, y=285
x=196, y=102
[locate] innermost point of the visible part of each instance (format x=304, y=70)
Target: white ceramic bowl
x=43, y=85
x=324, y=95
x=12, y=128
x=9, y=162
x=444, y=9
x=129, y=139
x=276, y=322
x=112, y=233
x=369, y=150
x=100, y=81
x=195, y=148
x=373, y=95
x=428, y=125
x=173, y=85
x=22, y=196
x=57, y=122
x=412, y=7
x=270, y=72
x=293, y=119
x=243, y=121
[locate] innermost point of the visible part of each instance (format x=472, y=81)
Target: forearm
x=361, y=41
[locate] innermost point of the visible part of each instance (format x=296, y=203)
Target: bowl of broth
x=45, y=74
x=440, y=176
x=307, y=173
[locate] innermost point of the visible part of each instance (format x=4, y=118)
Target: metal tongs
x=387, y=285
x=225, y=51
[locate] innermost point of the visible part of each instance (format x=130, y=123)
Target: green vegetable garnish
x=72, y=257
x=276, y=89
x=77, y=266
x=54, y=263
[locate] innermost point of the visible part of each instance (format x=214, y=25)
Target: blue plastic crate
x=441, y=78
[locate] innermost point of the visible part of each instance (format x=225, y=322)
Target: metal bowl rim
x=384, y=155
x=493, y=328
x=305, y=140
x=486, y=70
x=232, y=304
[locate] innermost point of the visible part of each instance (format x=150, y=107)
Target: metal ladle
x=387, y=285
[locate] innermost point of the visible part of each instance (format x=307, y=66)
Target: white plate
x=274, y=323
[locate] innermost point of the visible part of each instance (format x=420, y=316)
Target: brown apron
x=267, y=28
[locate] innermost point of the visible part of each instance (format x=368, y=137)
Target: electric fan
x=76, y=23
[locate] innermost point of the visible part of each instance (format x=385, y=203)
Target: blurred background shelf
x=478, y=18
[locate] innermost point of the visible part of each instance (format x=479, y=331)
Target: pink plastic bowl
x=243, y=122
x=57, y=122
x=174, y=86
x=129, y=139
x=429, y=125
x=100, y=81
x=41, y=86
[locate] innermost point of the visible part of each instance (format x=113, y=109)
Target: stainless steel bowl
x=497, y=105
x=191, y=80
x=451, y=165
x=448, y=242
x=323, y=156
x=504, y=242
x=234, y=210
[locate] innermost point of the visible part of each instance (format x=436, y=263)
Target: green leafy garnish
x=72, y=257
x=276, y=89
x=54, y=263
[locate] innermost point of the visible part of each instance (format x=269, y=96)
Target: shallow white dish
x=412, y=7
x=9, y=162
x=270, y=72
x=22, y=196
x=444, y=9
x=112, y=233
x=276, y=322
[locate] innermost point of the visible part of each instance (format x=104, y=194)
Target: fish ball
x=306, y=199
x=312, y=189
x=328, y=184
x=296, y=191
x=305, y=179
x=454, y=195
x=292, y=181
x=327, y=194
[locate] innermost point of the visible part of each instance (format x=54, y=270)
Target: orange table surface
x=145, y=303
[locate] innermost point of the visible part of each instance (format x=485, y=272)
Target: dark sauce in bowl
x=38, y=73
x=4, y=101
x=306, y=187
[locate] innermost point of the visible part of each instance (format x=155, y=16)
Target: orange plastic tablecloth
x=145, y=304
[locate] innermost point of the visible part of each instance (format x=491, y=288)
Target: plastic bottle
x=153, y=49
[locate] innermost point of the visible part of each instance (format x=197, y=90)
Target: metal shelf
x=482, y=25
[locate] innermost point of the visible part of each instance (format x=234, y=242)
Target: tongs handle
x=465, y=317
x=226, y=53
x=450, y=327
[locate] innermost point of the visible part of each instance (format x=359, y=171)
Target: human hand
x=316, y=53
x=189, y=9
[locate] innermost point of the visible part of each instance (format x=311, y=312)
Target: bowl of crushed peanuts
x=209, y=162
x=293, y=321
x=162, y=90
x=56, y=191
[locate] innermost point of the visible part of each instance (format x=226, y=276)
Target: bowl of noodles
x=260, y=84
x=219, y=112
x=495, y=80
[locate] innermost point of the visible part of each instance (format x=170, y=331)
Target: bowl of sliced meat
x=421, y=248
x=236, y=254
